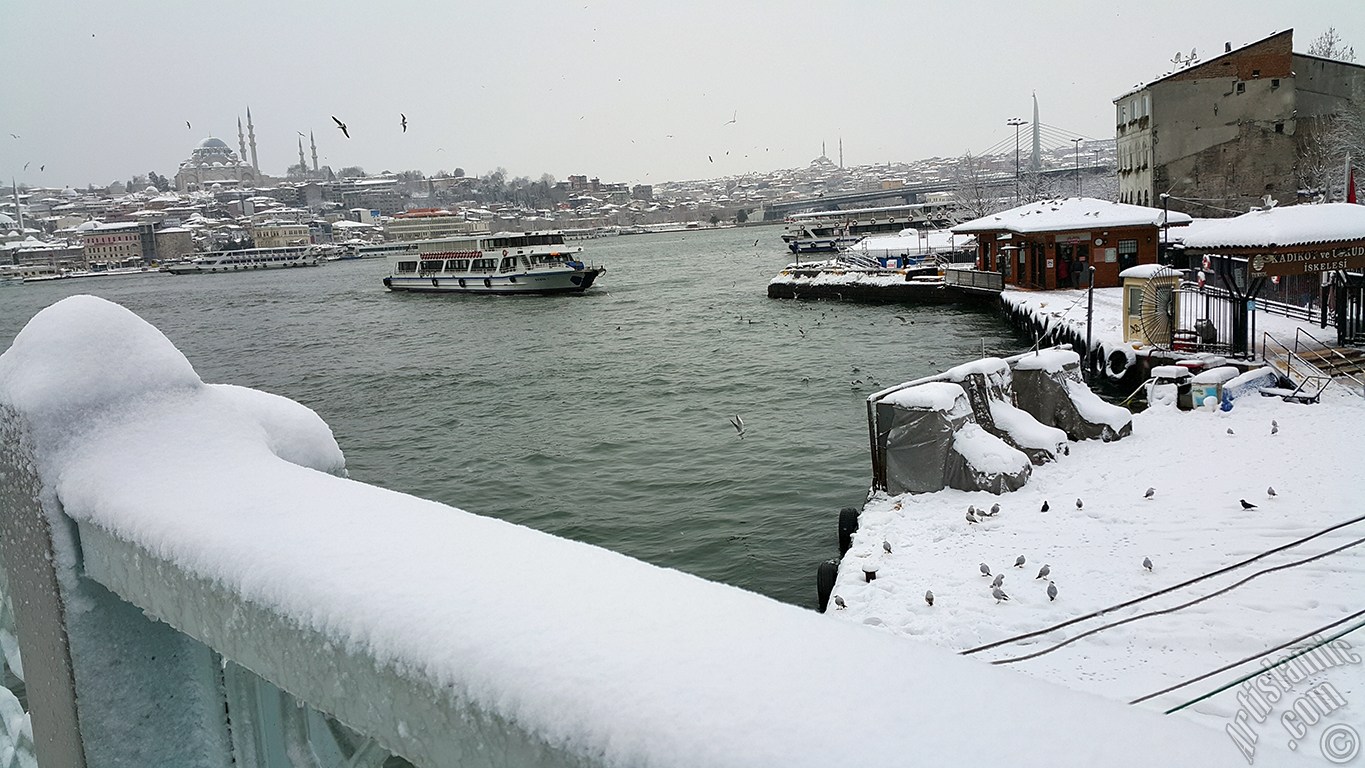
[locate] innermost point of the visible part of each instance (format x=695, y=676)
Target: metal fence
x=974, y=278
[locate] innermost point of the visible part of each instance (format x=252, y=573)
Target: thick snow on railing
x=224, y=512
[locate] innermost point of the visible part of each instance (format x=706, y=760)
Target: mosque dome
x=213, y=143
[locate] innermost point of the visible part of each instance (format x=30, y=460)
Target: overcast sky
x=637, y=92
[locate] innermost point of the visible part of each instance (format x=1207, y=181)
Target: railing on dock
x=1331, y=359
x=1308, y=380
x=974, y=279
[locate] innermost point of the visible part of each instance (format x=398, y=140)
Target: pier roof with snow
x=1294, y=225
x=1070, y=213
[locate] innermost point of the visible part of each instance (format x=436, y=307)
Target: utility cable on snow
x=1285, y=660
x=1167, y=590
x=1182, y=606
x=1253, y=657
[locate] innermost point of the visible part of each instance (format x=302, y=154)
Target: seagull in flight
x=732, y=119
x=342, y=126
x=738, y=424
x=14, y=135
x=405, y=121
x=26, y=165
x=187, y=126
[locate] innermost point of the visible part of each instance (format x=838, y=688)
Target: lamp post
x=1016, y=122
x=1077, y=149
x=1089, y=319
x=1165, y=227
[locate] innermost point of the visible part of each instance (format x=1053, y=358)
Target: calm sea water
x=601, y=417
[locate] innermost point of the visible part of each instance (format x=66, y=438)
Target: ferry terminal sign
x=1308, y=262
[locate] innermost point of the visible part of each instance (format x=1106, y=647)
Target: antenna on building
x=841, y=153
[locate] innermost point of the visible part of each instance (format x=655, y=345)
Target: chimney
x=1227, y=47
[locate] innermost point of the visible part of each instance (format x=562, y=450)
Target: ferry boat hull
x=498, y=263
x=566, y=281
x=246, y=260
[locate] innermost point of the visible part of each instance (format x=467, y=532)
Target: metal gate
x=1346, y=297
x=1204, y=317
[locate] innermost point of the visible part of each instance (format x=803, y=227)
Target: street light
x=1077, y=150
x=1016, y=122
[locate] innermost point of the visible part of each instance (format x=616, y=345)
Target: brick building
x=1050, y=243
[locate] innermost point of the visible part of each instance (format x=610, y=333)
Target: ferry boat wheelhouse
x=505, y=262
x=247, y=259
x=831, y=231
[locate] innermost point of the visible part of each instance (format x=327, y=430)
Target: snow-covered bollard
x=870, y=571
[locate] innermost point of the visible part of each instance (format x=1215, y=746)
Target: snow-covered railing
x=973, y=278
x=163, y=536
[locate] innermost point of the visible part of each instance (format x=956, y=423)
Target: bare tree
x=1329, y=45
x=1324, y=144
x=971, y=191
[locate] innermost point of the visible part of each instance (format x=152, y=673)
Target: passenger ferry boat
x=504, y=262
x=247, y=259
x=831, y=231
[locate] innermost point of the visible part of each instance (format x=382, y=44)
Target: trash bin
x=1209, y=383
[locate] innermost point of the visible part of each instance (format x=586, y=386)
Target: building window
x=1274, y=83
x=1128, y=254
x=1255, y=73
x=1279, y=127
x=1241, y=87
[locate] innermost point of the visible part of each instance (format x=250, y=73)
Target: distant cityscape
x=1286, y=120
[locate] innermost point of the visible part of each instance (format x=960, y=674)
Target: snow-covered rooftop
x=1281, y=226
x=1068, y=214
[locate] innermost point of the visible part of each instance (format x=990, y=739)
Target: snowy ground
x=1200, y=465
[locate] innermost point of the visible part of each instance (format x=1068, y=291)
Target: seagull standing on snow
x=886, y=546
x=929, y=597
x=1270, y=491
x=1274, y=428
x=839, y=602
x=995, y=509
x=1147, y=563
x=1043, y=572
x=1079, y=503
x=999, y=580
x=985, y=570
x=1019, y=562
x=738, y=424
x=971, y=517
x=999, y=594
x=1051, y=591
x=1149, y=494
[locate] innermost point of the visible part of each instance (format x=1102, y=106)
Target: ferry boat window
x=509, y=263
x=482, y=265
x=431, y=266
x=457, y=265
x=407, y=266
x=524, y=263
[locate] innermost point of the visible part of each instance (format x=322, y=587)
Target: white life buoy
x=504, y=251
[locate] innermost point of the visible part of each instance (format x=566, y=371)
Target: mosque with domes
x=214, y=162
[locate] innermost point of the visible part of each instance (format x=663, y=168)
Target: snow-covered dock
x=1190, y=493
x=446, y=637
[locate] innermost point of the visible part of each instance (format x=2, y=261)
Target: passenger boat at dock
x=832, y=231
x=247, y=259
x=505, y=263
